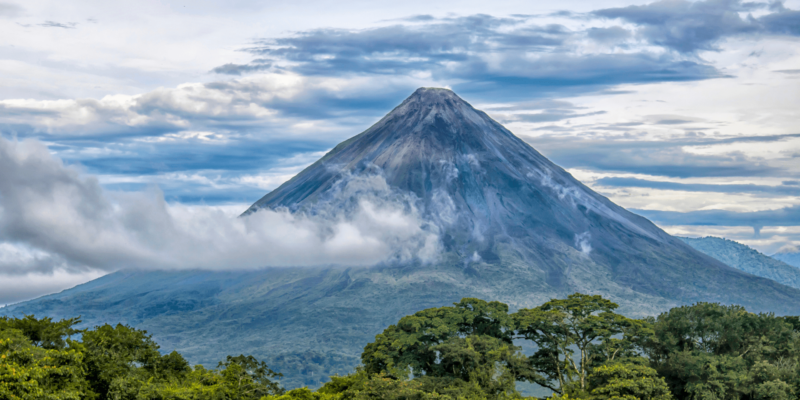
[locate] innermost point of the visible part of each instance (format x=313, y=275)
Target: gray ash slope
x=513, y=227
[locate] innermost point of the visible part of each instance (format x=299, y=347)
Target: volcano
x=511, y=226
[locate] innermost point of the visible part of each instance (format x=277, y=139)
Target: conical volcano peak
x=438, y=99
x=437, y=111
x=431, y=95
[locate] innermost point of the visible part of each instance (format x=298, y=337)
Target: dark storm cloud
x=696, y=187
x=788, y=216
x=688, y=27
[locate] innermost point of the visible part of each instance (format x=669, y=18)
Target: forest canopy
x=583, y=349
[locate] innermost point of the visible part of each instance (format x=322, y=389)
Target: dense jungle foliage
x=583, y=350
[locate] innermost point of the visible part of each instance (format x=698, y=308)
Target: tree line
x=583, y=349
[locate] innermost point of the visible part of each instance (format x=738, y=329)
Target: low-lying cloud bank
x=53, y=218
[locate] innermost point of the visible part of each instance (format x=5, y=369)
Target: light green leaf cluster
x=28, y=372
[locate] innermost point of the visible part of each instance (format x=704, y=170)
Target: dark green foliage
x=714, y=351
x=28, y=372
x=113, y=352
x=362, y=386
x=39, y=361
x=583, y=324
x=583, y=350
x=467, y=345
x=627, y=381
x=249, y=378
x=43, y=332
x=793, y=321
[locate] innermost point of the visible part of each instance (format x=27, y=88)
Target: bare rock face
x=511, y=225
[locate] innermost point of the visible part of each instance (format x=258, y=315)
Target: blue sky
x=685, y=111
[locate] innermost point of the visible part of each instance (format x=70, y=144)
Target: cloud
x=237, y=69
x=251, y=103
x=692, y=26
x=611, y=35
x=64, y=220
x=204, y=143
x=220, y=131
x=16, y=288
x=53, y=24
x=478, y=54
x=787, y=216
x=782, y=21
x=9, y=10
x=695, y=187
x=552, y=116
x=658, y=157
x=769, y=240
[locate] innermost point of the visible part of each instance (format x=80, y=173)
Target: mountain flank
x=746, y=259
x=789, y=257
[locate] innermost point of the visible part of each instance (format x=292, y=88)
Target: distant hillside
x=791, y=258
x=747, y=259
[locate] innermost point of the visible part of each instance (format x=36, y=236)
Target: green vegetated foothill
x=582, y=350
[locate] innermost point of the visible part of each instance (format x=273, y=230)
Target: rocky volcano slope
x=497, y=201
x=511, y=226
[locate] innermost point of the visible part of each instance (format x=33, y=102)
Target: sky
x=121, y=119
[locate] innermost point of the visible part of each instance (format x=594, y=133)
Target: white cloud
x=768, y=241
x=67, y=221
x=16, y=288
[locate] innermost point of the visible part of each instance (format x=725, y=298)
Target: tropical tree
x=575, y=334
x=627, y=381
x=43, y=332
x=708, y=350
x=467, y=346
x=29, y=372
x=248, y=378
